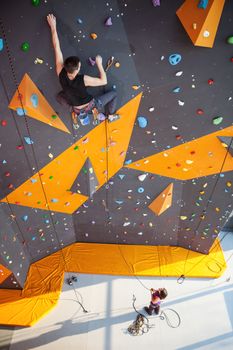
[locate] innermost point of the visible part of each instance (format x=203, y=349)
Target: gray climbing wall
x=141, y=39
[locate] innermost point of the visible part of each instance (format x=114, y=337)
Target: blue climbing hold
x=127, y=162
x=34, y=100
x=119, y=202
x=140, y=189
x=203, y=4
x=24, y=218
x=21, y=111
x=54, y=200
x=1, y=44
x=33, y=181
x=142, y=122
x=28, y=140
x=121, y=176
x=176, y=90
x=174, y=59
x=79, y=20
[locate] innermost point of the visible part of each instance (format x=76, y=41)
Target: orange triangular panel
x=163, y=201
x=201, y=24
x=4, y=273
x=43, y=112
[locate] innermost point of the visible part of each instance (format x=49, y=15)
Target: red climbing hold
x=199, y=111
x=210, y=81
x=3, y=123
x=231, y=59
x=7, y=173
x=10, y=186
x=178, y=137
x=19, y=147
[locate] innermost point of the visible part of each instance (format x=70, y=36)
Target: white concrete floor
x=205, y=307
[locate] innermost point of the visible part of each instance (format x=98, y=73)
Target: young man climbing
x=75, y=85
x=156, y=297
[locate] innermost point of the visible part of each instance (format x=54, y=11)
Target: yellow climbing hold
x=183, y=217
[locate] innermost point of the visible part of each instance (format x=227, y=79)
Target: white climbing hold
x=142, y=177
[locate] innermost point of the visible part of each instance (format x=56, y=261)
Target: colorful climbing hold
x=28, y=140
x=24, y=218
x=203, y=4
x=25, y=46
x=230, y=40
x=176, y=90
x=21, y=111
x=142, y=122
x=217, y=120
x=142, y=177
x=35, y=2
x=34, y=100
x=210, y=81
x=156, y=3
x=108, y=22
x=199, y=111
x=3, y=122
x=174, y=59
x=93, y=36
x=1, y=44
x=140, y=190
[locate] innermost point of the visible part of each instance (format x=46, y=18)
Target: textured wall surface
x=141, y=39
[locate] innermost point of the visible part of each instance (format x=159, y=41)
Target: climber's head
x=72, y=64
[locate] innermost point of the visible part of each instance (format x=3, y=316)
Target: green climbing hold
x=35, y=2
x=50, y=177
x=25, y=46
x=54, y=116
x=85, y=170
x=230, y=40
x=217, y=120
x=75, y=148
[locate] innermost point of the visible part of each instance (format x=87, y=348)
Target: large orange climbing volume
x=106, y=141
x=42, y=112
x=201, y=24
x=163, y=201
x=197, y=158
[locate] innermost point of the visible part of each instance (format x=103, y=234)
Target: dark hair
x=71, y=64
x=163, y=293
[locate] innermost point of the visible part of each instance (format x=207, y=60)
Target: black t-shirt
x=75, y=90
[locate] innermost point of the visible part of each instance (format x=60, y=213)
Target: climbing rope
x=206, y=207
x=33, y=153
x=141, y=325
